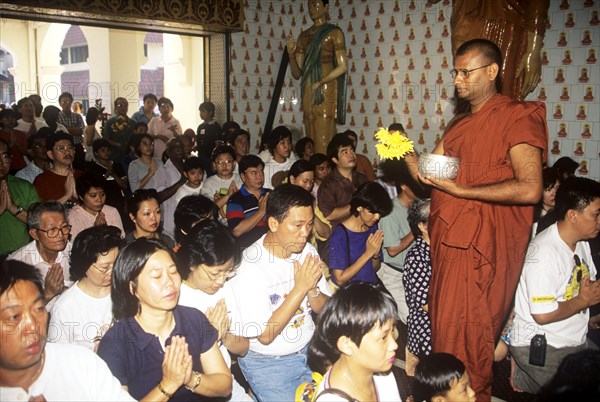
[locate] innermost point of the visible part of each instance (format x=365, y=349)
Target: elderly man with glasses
x=480, y=222
x=50, y=249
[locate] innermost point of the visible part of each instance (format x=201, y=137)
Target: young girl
x=355, y=245
x=355, y=342
x=441, y=377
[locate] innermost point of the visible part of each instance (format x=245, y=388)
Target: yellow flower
x=392, y=145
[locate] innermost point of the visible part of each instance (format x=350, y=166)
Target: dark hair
x=233, y=136
x=90, y=244
x=230, y=126
x=88, y=180
x=549, y=177
x=209, y=243
x=277, y=134
x=34, y=214
x=352, y=134
x=250, y=161
x=14, y=271
x=99, y=144
x=418, y=212
x=50, y=113
x=575, y=193
x=299, y=167
x=129, y=264
x=167, y=101
x=7, y=113
x=138, y=145
x=338, y=141
x=208, y=106
x=191, y=163
x=220, y=150
x=56, y=137
x=489, y=50
x=120, y=99
x=134, y=141
x=284, y=198
x=37, y=103
x=190, y=210
x=576, y=379
x=396, y=127
x=317, y=159
x=353, y=311
x=92, y=116
x=435, y=374
x=565, y=165
x=139, y=196
x=301, y=145
x=373, y=197
x=65, y=95
x=139, y=124
x=150, y=96
x=42, y=133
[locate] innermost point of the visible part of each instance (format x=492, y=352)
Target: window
x=64, y=56
x=79, y=54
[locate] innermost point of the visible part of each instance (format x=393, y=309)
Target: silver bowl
x=438, y=166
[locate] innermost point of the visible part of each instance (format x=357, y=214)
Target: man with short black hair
x=74, y=124
x=32, y=369
x=146, y=112
x=278, y=285
x=36, y=152
x=247, y=207
x=557, y=286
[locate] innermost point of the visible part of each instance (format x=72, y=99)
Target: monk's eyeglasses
x=464, y=73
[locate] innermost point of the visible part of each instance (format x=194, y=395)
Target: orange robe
x=478, y=248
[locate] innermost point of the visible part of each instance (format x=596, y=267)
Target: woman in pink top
x=164, y=127
x=92, y=210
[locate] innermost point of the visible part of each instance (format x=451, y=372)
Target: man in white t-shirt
x=557, y=286
x=30, y=368
x=279, y=283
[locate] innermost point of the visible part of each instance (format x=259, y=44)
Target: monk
x=319, y=58
x=517, y=26
x=480, y=223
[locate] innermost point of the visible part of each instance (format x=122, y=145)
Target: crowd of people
x=163, y=254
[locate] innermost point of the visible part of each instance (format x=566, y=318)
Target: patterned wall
x=398, y=61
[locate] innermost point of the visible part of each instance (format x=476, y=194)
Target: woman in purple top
x=158, y=350
x=355, y=244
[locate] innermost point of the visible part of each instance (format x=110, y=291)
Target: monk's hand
x=445, y=185
x=291, y=44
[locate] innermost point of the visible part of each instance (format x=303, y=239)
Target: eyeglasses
x=5, y=157
x=225, y=276
x=103, y=271
x=63, y=148
x=51, y=233
x=464, y=73
x=225, y=162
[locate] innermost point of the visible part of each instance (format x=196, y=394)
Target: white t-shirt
x=24, y=126
x=272, y=167
x=78, y=318
x=385, y=385
x=168, y=206
x=71, y=373
x=550, y=276
x=202, y=301
x=186, y=190
x=30, y=255
x=214, y=183
x=260, y=287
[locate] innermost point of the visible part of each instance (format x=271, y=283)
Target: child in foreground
x=441, y=377
x=355, y=344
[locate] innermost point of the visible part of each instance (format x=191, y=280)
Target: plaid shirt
x=72, y=120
